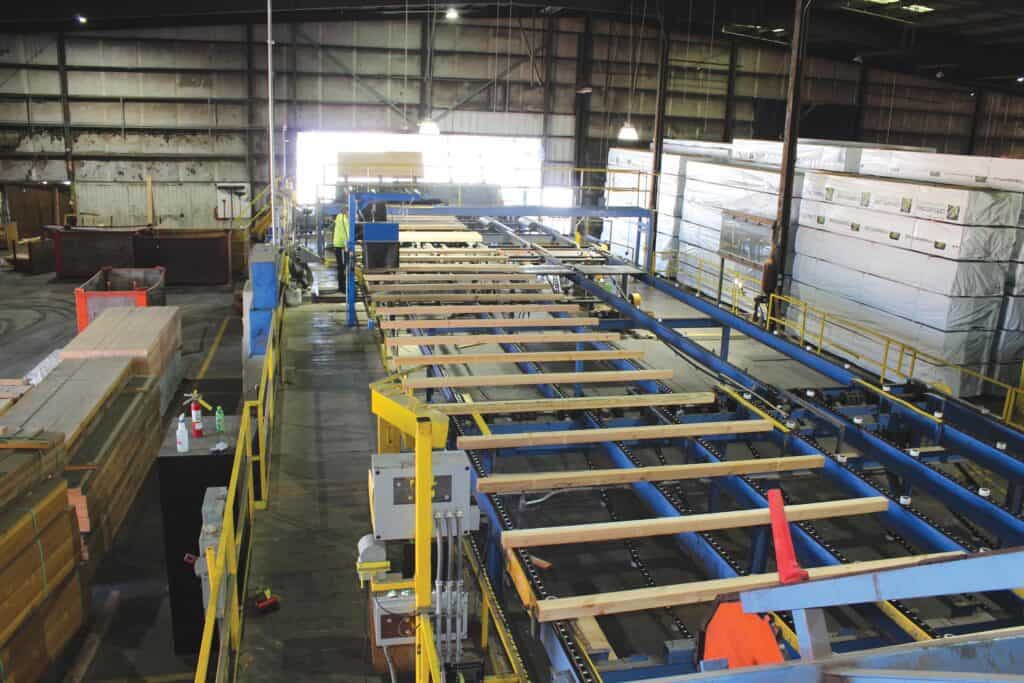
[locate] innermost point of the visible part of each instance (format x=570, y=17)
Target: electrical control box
x=393, y=492
x=394, y=617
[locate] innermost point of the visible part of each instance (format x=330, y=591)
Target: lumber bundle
x=148, y=336
x=67, y=400
x=24, y=463
x=109, y=468
x=34, y=647
x=39, y=555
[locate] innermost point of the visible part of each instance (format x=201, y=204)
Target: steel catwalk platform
x=620, y=605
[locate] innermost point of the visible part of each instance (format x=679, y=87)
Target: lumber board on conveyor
x=470, y=297
x=68, y=398
x=520, y=338
x=448, y=277
x=640, y=599
x=664, y=526
x=546, y=481
x=521, y=357
x=549, y=405
x=484, y=323
x=453, y=258
x=581, y=436
x=524, y=379
x=148, y=336
x=477, y=308
x=483, y=286
x=461, y=268
x=417, y=236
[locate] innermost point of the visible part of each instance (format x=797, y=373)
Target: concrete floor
x=305, y=543
x=37, y=316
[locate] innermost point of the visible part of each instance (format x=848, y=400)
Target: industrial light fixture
x=451, y=14
x=628, y=132
x=918, y=9
x=429, y=127
x=1020, y=79
x=778, y=30
x=884, y=2
x=81, y=19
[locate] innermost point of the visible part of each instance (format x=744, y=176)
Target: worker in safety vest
x=341, y=247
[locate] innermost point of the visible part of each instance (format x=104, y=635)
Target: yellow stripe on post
x=426, y=653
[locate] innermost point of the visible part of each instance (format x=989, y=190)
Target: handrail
x=235, y=541
x=816, y=329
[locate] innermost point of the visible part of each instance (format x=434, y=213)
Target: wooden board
x=373, y=164
x=453, y=258
x=618, y=602
x=522, y=357
x=470, y=297
x=148, y=336
x=521, y=338
x=583, y=436
x=485, y=323
x=476, y=308
x=439, y=237
x=483, y=286
x=449, y=277
x=554, y=405
x=594, y=639
x=462, y=268
x=524, y=379
x=546, y=481
x=68, y=399
x=664, y=526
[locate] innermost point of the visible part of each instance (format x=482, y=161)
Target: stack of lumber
x=111, y=463
x=42, y=604
x=24, y=463
x=66, y=401
x=10, y=391
x=149, y=337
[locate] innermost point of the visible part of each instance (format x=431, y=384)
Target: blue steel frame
x=904, y=521
x=356, y=202
x=1008, y=526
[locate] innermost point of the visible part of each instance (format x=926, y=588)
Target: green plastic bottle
x=218, y=420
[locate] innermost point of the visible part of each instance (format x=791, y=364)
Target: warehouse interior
x=497, y=342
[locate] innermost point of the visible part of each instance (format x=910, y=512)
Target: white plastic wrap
x=996, y=173
x=704, y=203
x=965, y=346
x=809, y=155
x=947, y=203
x=950, y=278
x=1013, y=315
x=750, y=176
x=698, y=148
x=701, y=236
x=917, y=305
x=1016, y=279
x=948, y=240
x=666, y=255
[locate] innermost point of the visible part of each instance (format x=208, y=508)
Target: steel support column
x=584, y=88
x=789, y=141
x=730, y=95
x=976, y=119
x=658, y=143
x=65, y=107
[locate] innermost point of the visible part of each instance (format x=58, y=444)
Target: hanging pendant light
x=628, y=132
x=429, y=127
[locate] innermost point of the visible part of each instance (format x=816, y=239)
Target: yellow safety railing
x=248, y=491
x=738, y=289
x=891, y=358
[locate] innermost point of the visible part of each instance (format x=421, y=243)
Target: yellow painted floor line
x=213, y=349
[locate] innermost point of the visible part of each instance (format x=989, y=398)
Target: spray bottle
x=181, y=435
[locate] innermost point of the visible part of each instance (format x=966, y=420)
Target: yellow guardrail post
x=885, y=361
x=426, y=649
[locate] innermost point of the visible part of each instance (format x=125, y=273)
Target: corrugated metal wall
x=186, y=106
